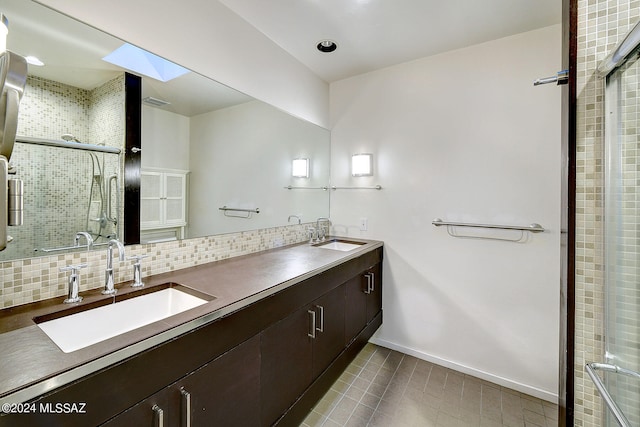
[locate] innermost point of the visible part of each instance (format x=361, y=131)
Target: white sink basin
x=85, y=328
x=339, y=245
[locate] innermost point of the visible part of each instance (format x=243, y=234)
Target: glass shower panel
x=622, y=240
x=65, y=191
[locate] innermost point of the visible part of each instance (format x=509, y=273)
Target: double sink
x=81, y=326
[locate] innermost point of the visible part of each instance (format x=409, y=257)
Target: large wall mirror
x=213, y=160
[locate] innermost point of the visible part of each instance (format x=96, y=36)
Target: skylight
x=140, y=61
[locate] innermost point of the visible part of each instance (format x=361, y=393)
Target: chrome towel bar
x=608, y=400
x=290, y=187
x=533, y=228
x=248, y=212
x=376, y=187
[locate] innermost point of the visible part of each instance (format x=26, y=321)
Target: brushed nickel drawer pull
x=186, y=406
x=312, y=334
x=321, y=328
x=368, y=276
x=158, y=416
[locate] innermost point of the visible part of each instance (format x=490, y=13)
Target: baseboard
x=505, y=382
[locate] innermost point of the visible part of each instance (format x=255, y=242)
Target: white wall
x=209, y=38
x=165, y=139
x=241, y=157
x=464, y=136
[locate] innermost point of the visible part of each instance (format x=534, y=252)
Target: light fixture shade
x=362, y=164
x=300, y=168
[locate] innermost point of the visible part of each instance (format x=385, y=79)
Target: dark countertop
x=33, y=364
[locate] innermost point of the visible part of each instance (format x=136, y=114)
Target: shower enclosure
x=618, y=378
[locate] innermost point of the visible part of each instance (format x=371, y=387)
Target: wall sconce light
x=362, y=164
x=300, y=168
x=4, y=30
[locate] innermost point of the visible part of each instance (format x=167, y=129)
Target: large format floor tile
x=382, y=387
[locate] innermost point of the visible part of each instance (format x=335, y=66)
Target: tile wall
x=601, y=24
x=48, y=110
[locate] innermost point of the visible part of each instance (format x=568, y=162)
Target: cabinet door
x=175, y=200
x=373, y=278
x=151, y=199
x=329, y=341
x=364, y=301
x=225, y=392
x=151, y=412
x=286, y=350
x=356, y=307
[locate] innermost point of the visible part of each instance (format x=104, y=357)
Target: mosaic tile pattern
x=29, y=280
x=385, y=388
x=48, y=110
x=601, y=24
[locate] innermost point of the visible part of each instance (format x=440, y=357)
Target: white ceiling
x=373, y=34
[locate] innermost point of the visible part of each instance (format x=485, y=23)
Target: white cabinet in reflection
x=163, y=201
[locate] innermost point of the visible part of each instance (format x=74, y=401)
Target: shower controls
x=15, y=201
x=74, y=282
x=137, y=270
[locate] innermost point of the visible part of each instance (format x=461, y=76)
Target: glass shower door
x=622, y=243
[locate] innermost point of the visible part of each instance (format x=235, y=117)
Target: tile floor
x=386, y=388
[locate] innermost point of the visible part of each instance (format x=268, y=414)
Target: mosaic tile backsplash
x=35, y=279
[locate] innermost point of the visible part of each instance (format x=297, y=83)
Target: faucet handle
x=137, y=270
x=74, y=268
x=74, y=282
x=138, y=257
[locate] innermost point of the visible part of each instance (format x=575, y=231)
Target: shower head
x=69, y=137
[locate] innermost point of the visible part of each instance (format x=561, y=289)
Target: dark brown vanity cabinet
x=363, y=300
x=297, y=349
x=224, y=392
x=267, y=363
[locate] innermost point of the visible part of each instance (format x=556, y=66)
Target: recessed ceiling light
x=327, y=46
x=34, y=61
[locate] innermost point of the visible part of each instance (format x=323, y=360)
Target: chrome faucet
x=311, y=232
x=74, y=282
x=109, y=288
x=296, y=217
x=87, y=237
x=321, y=230
x=137, y=270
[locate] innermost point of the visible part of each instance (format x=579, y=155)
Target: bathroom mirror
x=210, y=147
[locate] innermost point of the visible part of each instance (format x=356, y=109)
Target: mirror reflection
x=213, y=160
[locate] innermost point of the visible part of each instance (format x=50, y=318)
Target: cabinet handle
x=313, y=323
x=373, y=282
x=321, y=328
x=368, y=291
x=186, y=406
x=158, y=416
